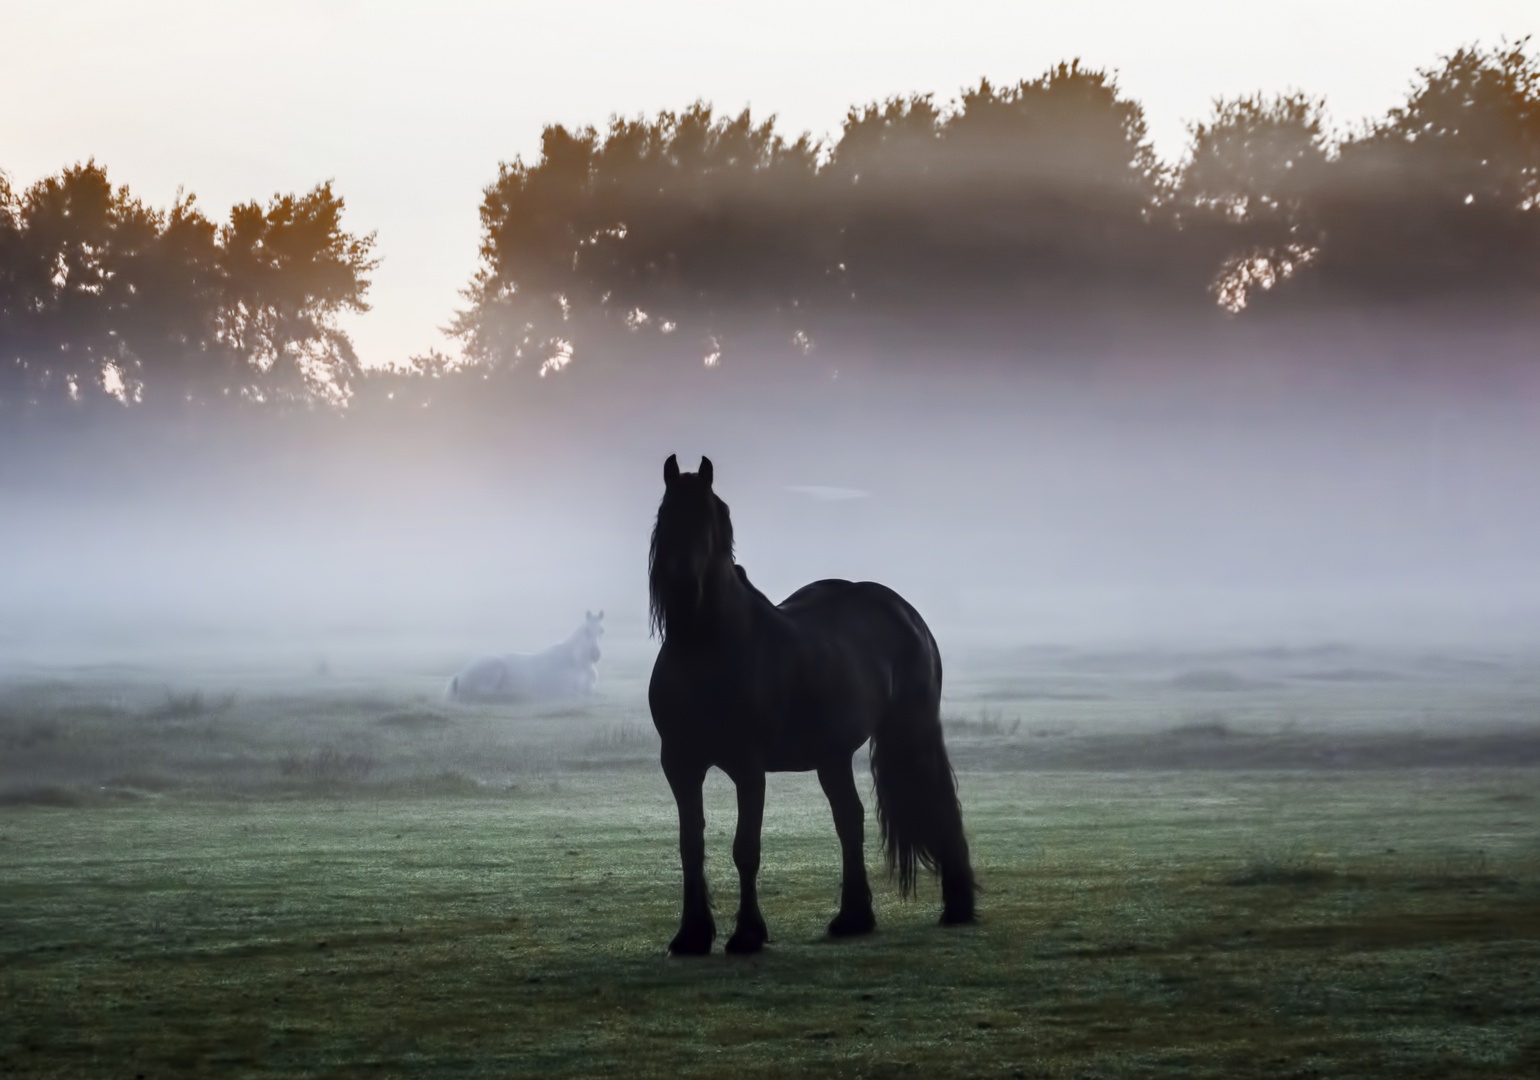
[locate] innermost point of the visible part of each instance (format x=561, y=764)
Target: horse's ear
x=670, y=469
x=600, y=615
x=705, y=469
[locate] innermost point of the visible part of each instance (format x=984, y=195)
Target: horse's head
x=693, y=534
x=593, y=630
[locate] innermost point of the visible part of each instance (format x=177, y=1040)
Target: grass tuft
x=989, y=724
x=625, y=736
x=328, y=764
x=1296, y=873
x=24, y=733
x=40, y=795
x=414, y=720
x=191, y=706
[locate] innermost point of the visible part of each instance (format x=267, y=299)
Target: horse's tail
x=917, y=805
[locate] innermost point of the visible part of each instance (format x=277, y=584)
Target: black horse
x=752, y=687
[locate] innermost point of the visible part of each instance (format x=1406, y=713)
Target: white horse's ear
x=705, y=469
x=601, y=613
x=588, y=615
x=670, y=469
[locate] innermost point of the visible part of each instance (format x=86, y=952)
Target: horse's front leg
x=750, y=934
x=697, y=929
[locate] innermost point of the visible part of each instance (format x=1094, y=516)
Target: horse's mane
x=684, y=516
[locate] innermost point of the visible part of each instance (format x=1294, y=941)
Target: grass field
x=1190, y=870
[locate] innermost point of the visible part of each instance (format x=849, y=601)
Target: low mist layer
x=1162, y=495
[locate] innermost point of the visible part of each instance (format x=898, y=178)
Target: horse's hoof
x=959, y=917
x=847, y=924
x=746, y=944
x=692, y=942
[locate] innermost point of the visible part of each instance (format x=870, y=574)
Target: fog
x=994, y=353
x=1144, y=496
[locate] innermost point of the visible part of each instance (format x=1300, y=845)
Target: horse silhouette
x=567, y=669
x=753, y=687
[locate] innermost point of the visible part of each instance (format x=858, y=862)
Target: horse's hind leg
x=750, y=934
x=855, y=914
x=697, y=929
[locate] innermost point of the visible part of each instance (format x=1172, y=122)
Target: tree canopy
x=101, y=295
x=1441, y=195
x=1041, y=202
x=1045, y=196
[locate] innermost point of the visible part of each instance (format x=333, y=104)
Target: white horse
x=565, y=670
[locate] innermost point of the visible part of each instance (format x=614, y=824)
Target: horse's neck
x=726, y=611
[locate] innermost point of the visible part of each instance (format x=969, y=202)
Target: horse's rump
x=917, y=806
x=874, y=624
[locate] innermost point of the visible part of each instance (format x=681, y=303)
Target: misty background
x=995, y=352
x=1189, y=500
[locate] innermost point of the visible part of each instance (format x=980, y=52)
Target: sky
x=408, y=108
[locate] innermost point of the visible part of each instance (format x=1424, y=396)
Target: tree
x=100, y=294
x=884, y=176
x=79, y=248
x=1041, y=201
x=1441, y=196
x=653, y=224
x=1039, y=190
x=287, y=272
x=1248, y=191
x=10, y=253
x=1042, y=189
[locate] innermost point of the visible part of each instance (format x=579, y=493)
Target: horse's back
x=808, y=682
x=866, y=611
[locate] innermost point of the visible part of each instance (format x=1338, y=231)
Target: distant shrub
x=328, y=764
x=191, y=705
x=988, y=724
x=414, y=720
x=39, y=795
x=1216, y=682
x=17, y=733
x=1208, y=727
x=624, y=736
x=1291, y=872
x=448, y=782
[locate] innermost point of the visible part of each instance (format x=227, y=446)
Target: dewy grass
x=522, y=932
x=1327, y=876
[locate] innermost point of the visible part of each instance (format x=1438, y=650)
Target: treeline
x=1043, y=200
x=102, y=296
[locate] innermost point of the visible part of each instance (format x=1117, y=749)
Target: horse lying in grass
x=753, y=687
x=568, y=669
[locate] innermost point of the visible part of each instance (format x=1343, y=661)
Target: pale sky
x=408, y=108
